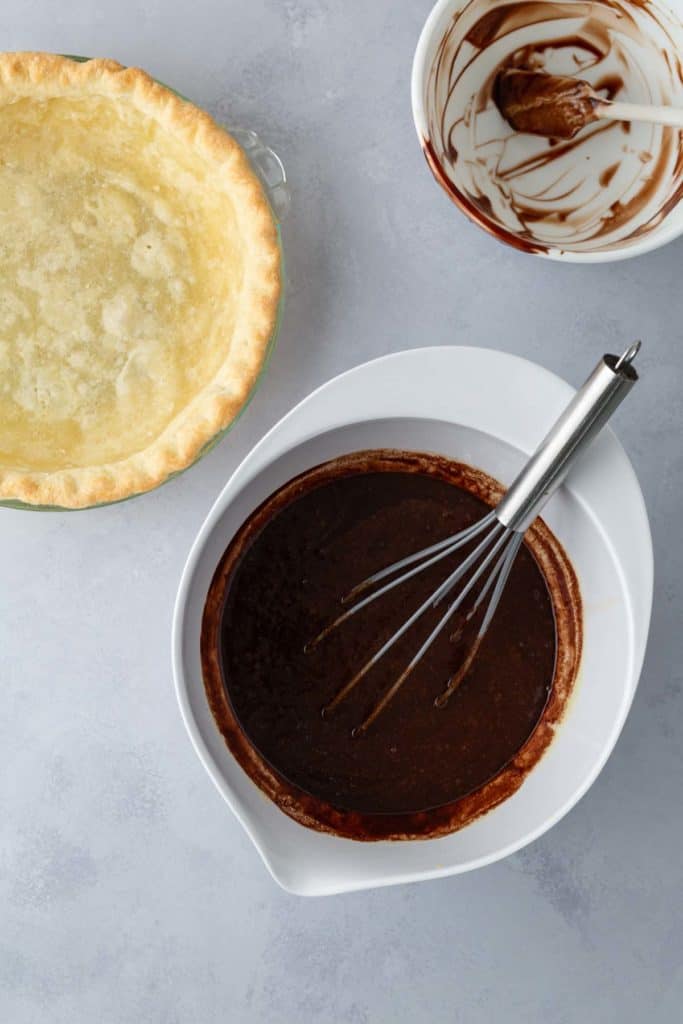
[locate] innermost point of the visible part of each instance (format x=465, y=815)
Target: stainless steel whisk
x=503, y=530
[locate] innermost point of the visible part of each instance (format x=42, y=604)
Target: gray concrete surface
x=127, y=891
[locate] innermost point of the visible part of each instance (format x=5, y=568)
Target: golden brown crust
x=41, y=76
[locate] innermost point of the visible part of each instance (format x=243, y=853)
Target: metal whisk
x=500, y=534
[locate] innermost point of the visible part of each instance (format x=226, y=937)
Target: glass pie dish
x=268, y=169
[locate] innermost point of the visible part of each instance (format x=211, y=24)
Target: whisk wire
x=476, y=576
x=443, y=591
x=442, y=550
x=498, y=541
x=502, y=576
x=395, y=637
x=498, y=576
x=452, y=543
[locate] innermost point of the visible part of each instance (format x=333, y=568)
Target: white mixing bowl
x=654, y=77
x=490, y=410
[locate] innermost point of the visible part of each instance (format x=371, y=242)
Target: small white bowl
x=490, y=410
x=654, y=82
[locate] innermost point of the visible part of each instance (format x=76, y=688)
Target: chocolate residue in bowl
x=419, y=770
x=539, y=196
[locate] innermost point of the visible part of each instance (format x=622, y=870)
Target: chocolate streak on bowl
x=533, y=193
x=478, y=210
x=318, y=813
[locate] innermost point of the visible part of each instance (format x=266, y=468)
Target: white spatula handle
x=672, y=116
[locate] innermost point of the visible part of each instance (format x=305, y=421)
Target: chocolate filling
x=419, y=769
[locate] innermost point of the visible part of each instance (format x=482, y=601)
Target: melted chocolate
x=419, y=767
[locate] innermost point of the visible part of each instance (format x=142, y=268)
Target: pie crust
x=140, y=283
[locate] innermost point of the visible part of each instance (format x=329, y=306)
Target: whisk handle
x=584, y=417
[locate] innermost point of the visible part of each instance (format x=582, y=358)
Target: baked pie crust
x=140, y=280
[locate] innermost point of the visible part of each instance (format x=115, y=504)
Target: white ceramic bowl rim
x=670, y=228
x=487, y=391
